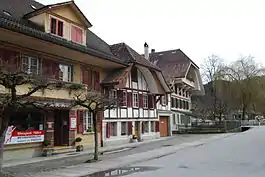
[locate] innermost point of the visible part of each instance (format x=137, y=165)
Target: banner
x=19, y=137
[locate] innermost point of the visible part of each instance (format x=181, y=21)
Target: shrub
x=46, y=143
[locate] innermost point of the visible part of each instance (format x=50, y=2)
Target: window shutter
x=142, y=127
x=107, y=130
x=96, y=80
x=85, y=76
x=157, y=126
x=129, y=99
x=150, y=101
x=130, y=128
x=120, y=96
x=80, y=121
x=140, y=100
x=73, y=34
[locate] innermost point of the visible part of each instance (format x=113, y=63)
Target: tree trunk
x=95, y=135
x=243, y=112
x=2, y=139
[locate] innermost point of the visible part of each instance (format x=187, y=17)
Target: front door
x=136, y=128
x=163, y=126
x=61, y=128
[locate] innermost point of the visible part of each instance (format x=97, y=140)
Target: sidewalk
x=90, y=168
x=13, y=163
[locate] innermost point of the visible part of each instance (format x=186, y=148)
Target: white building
x=140, y=86
x=183, y=77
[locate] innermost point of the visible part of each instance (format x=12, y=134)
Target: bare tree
x=95, y=102
x=11, y=100
x=212, y=101
x=243, y=75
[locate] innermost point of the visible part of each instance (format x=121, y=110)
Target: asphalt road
x=241, y=155
x=25, y=170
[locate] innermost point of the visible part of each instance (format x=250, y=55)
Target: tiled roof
x=117, y=76
x=173, y=63
x=128, y=55
x=18, y=8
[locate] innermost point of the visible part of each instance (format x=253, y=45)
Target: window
x=153, y=126
x=88, y=122
x=145, y=101
x=65, y=73
x=134, y=74
x=56, y=27
x=77, y=34
x=124, y=98
x=113, y=94
x=163, y=100
x=30, y=65
x=113, y=129
x=124, y=128
x=135, y=100
x=146, y=127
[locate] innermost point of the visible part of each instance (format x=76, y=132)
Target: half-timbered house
x=140, y=87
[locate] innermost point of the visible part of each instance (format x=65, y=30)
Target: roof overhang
x=46, y=46
x=59, y=5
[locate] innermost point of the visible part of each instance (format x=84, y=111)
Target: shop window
x=65, y=73
x=124, y=128
x=30, y=65
x=153, y=126
x=113, y=129
x=26, y=120
x=146, y=127
x=88, y=122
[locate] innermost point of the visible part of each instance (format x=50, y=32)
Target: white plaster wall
x=145, y=113
x=135, y=113
x=129, y=112
x=123, y=112
x=113, y=113
x=152, y=113
x=106, y=113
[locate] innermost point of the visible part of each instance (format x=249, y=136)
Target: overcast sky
x=228, y=28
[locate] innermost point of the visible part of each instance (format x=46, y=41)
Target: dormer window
x=56, y=27
x=77, y=34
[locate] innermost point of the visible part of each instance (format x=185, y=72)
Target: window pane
x=60, y=28
x=53, y=26
x=124, y=127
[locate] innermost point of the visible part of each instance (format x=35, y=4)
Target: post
x=95, y=135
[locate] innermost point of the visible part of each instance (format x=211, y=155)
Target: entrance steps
x=63, y=149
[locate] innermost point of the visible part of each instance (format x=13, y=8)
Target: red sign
x=27, y=136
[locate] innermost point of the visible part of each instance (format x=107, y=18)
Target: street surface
x=241, y=155
x=31, y=169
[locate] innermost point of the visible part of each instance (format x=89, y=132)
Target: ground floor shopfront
x=29, y=128
x=119, y=131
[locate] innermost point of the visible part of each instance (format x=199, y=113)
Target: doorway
x=163, y=126
x=61, y=128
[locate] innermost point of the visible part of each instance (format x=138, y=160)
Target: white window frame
x=135, y=98
x=69, y=73
x=58, y=19
x=88, y=115
x=145, y=101
x=29, y=64
x=113, y=94
x=163, y=100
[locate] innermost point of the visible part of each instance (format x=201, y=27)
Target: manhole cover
x=122, y=171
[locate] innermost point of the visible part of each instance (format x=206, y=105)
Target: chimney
x=153, y=51
x=146, y=51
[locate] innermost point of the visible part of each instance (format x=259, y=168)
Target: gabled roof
x=53, y=6
x=128, y=55
x=15, y=22
x=173, y=63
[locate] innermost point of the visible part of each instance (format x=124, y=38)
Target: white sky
x=228, y=28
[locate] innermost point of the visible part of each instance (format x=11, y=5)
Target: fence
x=252, y=122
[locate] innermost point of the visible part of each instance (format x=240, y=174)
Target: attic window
x=33, y=7
x=160, y=54
x=7, y=13
x=174, y=52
